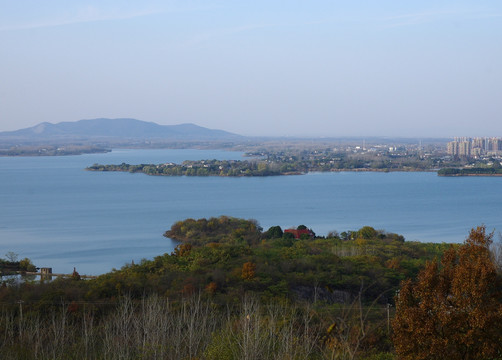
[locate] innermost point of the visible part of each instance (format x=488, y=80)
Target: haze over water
x=61, y=216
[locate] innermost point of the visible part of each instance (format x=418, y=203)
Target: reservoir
x=61, y=216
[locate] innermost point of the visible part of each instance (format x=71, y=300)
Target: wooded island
x=274, y=163
x=473, y=171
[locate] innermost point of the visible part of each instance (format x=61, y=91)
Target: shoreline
x=271, y=175
x=460, y=175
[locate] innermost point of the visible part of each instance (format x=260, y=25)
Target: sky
x=259, y=68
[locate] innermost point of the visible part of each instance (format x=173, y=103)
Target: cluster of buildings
x=475, y=147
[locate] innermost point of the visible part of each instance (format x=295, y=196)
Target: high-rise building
x=464, y=148
x=474, y=147
x=452, y=148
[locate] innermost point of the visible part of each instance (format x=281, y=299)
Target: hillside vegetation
x=229, y=290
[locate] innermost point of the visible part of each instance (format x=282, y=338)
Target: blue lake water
x=61, y=216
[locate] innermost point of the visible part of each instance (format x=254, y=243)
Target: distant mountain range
x=117, y=129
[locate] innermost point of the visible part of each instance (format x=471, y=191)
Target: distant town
x=462, y=157
x=475, y=147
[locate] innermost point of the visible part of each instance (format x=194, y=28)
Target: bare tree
x=11, y=256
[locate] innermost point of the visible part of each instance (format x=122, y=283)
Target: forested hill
x=230, y=290
x=118, y=129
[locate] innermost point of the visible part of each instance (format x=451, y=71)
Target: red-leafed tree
x=454, y=309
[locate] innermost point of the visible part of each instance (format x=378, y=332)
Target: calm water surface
x=61, y=216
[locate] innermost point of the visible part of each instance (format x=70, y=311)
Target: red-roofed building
x=297, y=233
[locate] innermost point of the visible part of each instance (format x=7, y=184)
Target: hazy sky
x=315, y=68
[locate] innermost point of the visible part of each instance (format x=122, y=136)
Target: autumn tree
x=211, y=287
x=454, y=309
x=367, y=232
x=27, y=265
x=182, y=250
x=248, y=270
